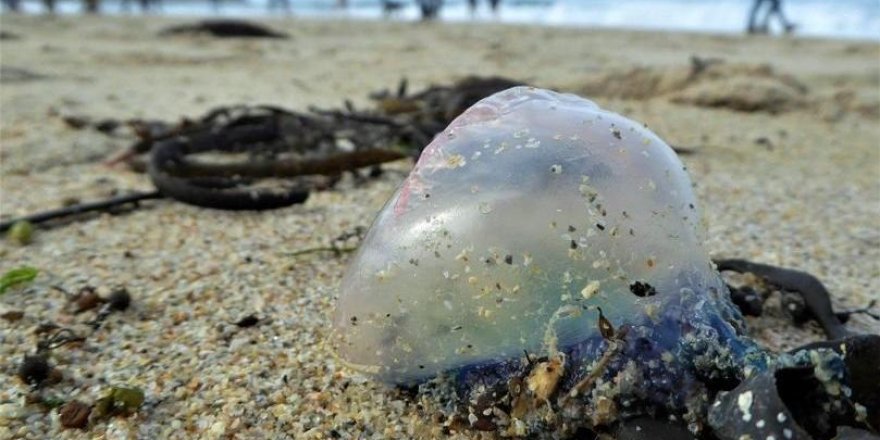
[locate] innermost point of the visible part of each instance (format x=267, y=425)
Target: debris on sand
x=705, y=83
x=224, y=29
x=17, y=276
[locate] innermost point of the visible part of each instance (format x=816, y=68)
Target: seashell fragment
x=530, y=211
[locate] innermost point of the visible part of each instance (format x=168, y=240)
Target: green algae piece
x=21, y=232
x=14, y=277
x=119, y=400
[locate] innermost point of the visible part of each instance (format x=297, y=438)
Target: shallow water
x=858, y=19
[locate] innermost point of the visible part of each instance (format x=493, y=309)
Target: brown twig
x=327, y=165
x=101, y=205
x=614, y=347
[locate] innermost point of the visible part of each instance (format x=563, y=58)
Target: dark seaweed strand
x=218, y=193
x=81, y=208
x=815, y=294
x=207, y=185
x=211, y=186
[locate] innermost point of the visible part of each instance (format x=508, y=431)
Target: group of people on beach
x=429, y=9
x=89, y=6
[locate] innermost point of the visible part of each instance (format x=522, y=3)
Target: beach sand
x=786, y=162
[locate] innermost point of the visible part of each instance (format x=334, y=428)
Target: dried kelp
x=225, y=29
x=250, y=145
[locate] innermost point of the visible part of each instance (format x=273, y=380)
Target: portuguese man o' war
x=540, y=232
x=531, y=209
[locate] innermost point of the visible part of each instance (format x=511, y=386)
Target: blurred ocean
x=827, y=18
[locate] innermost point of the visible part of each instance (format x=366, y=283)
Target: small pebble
x=119, y=300
x=248, y=321
x=74, y=414
x=21, y=233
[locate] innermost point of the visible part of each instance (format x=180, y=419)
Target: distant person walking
x=146, y=6
x=391, y=7
x=12, y=5
x=493, y=4
x=430, y=8
x=775, y=9
x=91, y=6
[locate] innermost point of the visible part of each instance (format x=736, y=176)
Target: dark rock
x=74, y=414
x=34, y=369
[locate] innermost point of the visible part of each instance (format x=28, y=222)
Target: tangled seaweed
x=305, y=151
